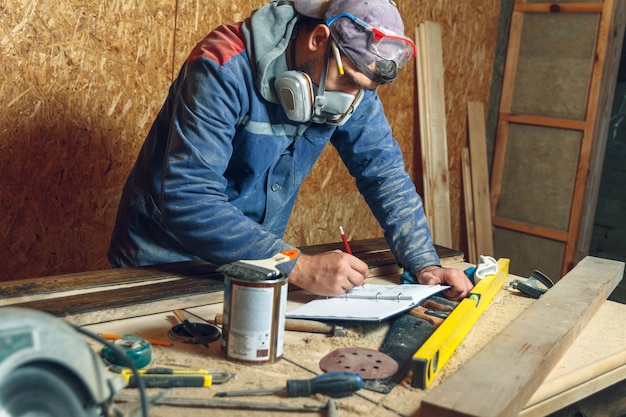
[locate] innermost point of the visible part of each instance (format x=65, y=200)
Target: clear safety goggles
x=385, y=44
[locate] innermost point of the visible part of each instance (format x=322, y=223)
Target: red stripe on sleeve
x=220, y=45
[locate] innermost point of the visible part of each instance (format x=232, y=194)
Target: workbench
x=589, y=377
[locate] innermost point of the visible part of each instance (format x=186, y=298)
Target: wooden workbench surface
x=598, y=351
x=596, y=360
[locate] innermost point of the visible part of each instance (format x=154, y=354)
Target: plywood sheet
x=83, y=81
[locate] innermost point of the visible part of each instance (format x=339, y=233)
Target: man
x=249, y=114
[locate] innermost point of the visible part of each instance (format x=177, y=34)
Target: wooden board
x=433, y=137
x=566, y=384
x=502, y=377
x=470, y=223
x=104, y=278
x=480, y=178
x=126, y=292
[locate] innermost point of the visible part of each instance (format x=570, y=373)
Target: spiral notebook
x=373, y=302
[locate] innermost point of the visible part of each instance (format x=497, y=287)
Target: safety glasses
x=386, y=44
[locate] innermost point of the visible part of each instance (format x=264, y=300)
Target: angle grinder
x=48, y=370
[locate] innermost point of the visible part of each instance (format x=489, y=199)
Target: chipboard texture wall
x=82, y=82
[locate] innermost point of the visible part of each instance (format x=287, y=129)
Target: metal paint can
x=253, y=330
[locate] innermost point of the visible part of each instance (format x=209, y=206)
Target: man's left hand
x=459, y=283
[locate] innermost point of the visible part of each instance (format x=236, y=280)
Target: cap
x=369, y=32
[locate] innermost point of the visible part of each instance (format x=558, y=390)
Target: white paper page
x=353, y=308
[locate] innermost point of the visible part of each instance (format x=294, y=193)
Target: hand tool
x=153, y=342
x=259, y=269
x=191, y=329
x=535, y=286
x=298, y=325
x=431, y=304
x=442, y=300
x=405, y=335
x=332, y=409
x=332, y=384
x=211, y=403
x=424, y=314
x=431, y=357
x=168, y=378
x=135, y=348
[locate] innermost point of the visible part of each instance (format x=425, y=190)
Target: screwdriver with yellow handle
x=172, y=378
x=332, y=384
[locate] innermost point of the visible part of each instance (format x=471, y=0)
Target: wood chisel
x=435, y=352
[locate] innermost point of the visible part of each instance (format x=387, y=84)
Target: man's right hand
x=328, y=273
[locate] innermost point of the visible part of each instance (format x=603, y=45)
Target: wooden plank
x=606, y=403
x=431, y=98
x=530, y=229
x=543, y=121
x=480, y=178
x=580, y=373
x=144, y=309
x=80, y=303
x=469, y=206
x=376, y=253
x=158, y=288
x=502, y=377
x=421, y=75
x=104, y=278
x=547, y=7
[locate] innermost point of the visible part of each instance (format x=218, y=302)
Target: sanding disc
x=369, y=363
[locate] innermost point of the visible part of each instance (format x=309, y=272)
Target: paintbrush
x=259, y=269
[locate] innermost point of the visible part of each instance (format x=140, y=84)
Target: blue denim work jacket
x=220, y=169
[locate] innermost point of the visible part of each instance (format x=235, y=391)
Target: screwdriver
x=333, y=384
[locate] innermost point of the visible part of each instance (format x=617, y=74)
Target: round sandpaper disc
x=369, y=363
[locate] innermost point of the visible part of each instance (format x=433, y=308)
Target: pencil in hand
x=345, y=240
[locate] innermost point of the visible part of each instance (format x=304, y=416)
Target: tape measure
x=136, y=349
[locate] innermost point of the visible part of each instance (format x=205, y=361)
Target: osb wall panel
x=82, y=82
x=469, y=35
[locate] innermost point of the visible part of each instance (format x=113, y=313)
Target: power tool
x=47, y=369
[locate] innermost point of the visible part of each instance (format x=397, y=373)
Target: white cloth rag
x=487, y=266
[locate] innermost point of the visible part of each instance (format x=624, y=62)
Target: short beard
x=309, y=66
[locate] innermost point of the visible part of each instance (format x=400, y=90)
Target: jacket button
x=275, y=187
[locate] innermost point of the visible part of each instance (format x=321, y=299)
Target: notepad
x=373, y=302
